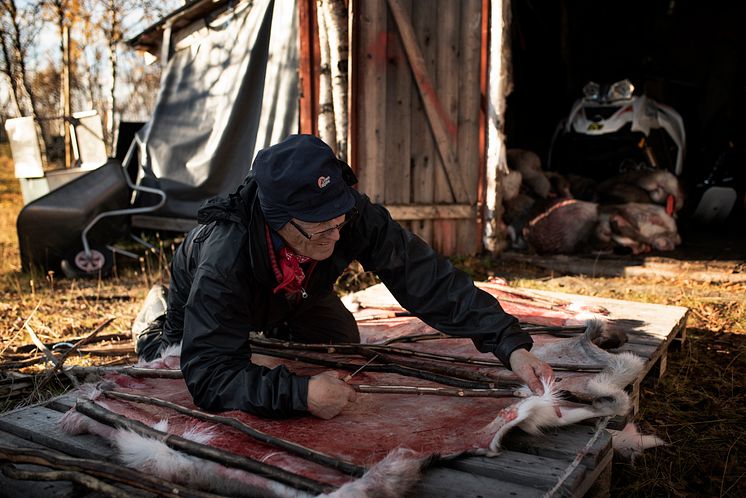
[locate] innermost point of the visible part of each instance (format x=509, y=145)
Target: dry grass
x=699, y=407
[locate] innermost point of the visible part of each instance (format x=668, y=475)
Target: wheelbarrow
x=73, y=228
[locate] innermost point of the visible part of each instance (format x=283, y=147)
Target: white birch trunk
x=335, y=18
x=327, y=131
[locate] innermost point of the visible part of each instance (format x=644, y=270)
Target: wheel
x=81, y=265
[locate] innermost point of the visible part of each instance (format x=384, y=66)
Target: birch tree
x=19, y=32
x=334, y=14
x=327, y=130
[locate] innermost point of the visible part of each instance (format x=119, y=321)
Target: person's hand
x=530, y=369
x=328, y=395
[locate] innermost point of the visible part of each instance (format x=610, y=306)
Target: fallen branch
x=35, y=339
x=222, y=457
x=58, y=366
x=102, y=469
x=296, y=449
x=40, y=345
x=99, y=338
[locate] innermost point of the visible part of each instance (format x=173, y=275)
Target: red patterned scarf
x=287, y=269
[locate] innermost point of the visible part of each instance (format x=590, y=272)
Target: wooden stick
x=296, y=449
x=40, y=345
x=57, y=475
x=84, y=341
x=100, y=414
x=439, y=391
x=35, y=339
x=420, y=337
x=384, y=316
x=49, y=374
x=131, y=371
x=440, y=369
x=102, y=469
x=99, y=338
x=353, y=348
x=552, y=328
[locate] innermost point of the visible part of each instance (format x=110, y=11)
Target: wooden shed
x=418, y=134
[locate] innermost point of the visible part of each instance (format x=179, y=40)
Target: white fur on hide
x=155, y=457
x=535, y=413
x=607, y=387
x=392, y=477
x=629, y=443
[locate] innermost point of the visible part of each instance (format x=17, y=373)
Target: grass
x=699, y=407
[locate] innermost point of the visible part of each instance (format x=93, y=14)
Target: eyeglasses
x=316, y=235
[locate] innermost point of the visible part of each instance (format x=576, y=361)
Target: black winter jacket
x=221, y=288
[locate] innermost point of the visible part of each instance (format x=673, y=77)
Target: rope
x=578, y=458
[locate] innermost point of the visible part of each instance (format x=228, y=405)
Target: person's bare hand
x=328, y=395
x=530, y=369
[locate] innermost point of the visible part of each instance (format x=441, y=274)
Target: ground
x=699, y=407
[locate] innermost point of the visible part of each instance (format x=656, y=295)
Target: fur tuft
x=390, y=478
x=607, y=388
x=629, y=443
x=594, y=327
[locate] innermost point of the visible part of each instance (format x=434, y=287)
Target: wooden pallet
x=571, y=461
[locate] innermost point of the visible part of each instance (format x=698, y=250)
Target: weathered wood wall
x=415, y=108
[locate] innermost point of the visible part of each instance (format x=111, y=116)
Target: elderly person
x=265, y=259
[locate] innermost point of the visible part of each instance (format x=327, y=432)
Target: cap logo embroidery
x=324, y=181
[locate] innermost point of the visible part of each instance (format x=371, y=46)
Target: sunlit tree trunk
x=327, y=130
x=334, y=13
x=15, y=53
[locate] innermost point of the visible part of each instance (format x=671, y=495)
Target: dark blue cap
x=301, y=178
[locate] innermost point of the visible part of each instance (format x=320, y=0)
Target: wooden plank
x=370, y=97
x=561, y=443
x=40, y=425
x=30, y=489
x=431, y=211
x=522, y=468
x=467, y=238
x=439, y=125
x=448, y=483
x=398, y=119
x=597, y=482
x=423, y=145
x=447, y=86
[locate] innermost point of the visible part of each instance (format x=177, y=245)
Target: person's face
x=323, y=237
